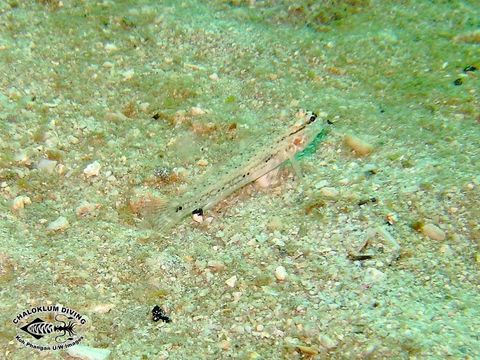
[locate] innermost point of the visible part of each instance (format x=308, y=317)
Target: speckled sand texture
x=108, y=108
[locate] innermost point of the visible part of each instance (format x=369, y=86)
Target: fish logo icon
x=49, y=327
x=39, y=328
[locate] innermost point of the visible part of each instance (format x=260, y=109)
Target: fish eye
x=198, y=211
x=312, y=118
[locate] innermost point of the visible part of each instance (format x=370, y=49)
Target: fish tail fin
x=161, y=214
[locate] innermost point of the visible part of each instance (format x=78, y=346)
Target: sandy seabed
x=372, y=253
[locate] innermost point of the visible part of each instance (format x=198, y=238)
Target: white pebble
x=60, y=224
x=232, y=281
x=216, y=266
x=102, y=308
x=433, y=232
x=111, y=47
x=72, y=139
x=237, y=295
x=202, y=162
x=360, y=147
x=88, y=353
x=321, y=184
x=128, y=74
x=20, y=201
x=195, y=111
x=280, y=273
x=329, y=192
x=214, y=77
x=144, y=106
x=21, y=157
x=327, y=342
x=92, y=169
x=373, y=275
x=61, y=169
x=46, y=165
x=115, y=116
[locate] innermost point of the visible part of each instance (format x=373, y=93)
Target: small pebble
x=21, y=157
x=253, y=356
x=20, y=201
x=202, y=162
x=280, y=273
x=225, y=344
x=58, y=225
x=307, y=350
x=373, y=275
x=232, y=281
x=61, y=169
x=88, y=353
x=329, y=192
x=237, y=295
x=46, y=165
x=453, y=210
x=72, y=139
x=209, y=220
x=216, y=266
x=102, y=308
x=111, y=47
x=433, y=232
x=214, y=77
x=327, y=342
x=85, y=208
x=115, y=116
x=144, y=106
x=92, y=169
x=196, y=111
x=128, y=74
x=321, y=184
x=360, y=147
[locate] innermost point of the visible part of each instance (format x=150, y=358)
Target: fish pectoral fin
x=156, y=204
x=296, y=168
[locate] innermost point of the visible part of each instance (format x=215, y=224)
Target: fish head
x=305, y=130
